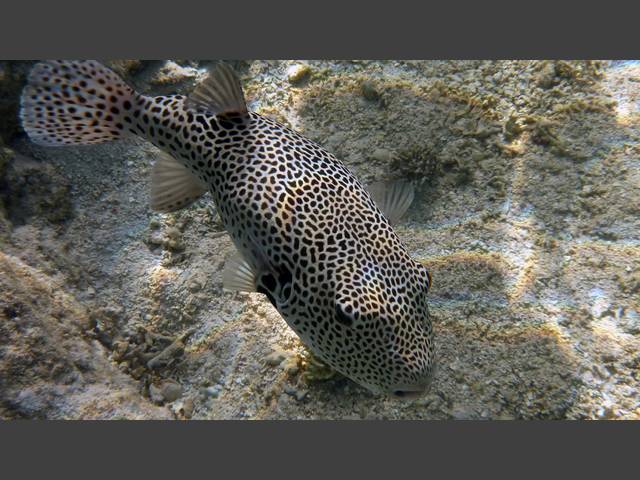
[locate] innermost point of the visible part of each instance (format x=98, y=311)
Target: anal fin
x=173, y=186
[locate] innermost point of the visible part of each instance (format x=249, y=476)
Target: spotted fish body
x=309, y=235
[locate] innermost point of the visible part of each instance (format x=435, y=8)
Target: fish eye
x=343, y=317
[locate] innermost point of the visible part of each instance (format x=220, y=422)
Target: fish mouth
x=407, y=393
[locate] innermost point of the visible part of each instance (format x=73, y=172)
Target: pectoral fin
x=239, y=275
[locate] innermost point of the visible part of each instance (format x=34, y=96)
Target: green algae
x=314, y=369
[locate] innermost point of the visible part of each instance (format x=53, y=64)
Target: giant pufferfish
x=309, y=236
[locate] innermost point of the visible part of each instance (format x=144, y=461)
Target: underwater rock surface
x=527, y=213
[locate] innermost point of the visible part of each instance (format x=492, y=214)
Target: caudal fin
x=75, y=102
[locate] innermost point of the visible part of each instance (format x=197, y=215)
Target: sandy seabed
x=527, y=213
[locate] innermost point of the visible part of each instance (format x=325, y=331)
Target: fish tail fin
x=75, y=103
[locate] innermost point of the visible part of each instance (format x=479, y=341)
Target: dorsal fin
x=238, y=275
x=220, y=92
x=173, y=186
x=393, y=198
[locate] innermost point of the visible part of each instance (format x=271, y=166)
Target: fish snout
x=406, y=391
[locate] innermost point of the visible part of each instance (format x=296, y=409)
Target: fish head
x=383, y=313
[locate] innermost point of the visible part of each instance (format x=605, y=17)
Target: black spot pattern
x=285, y=199
x=334, y=267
